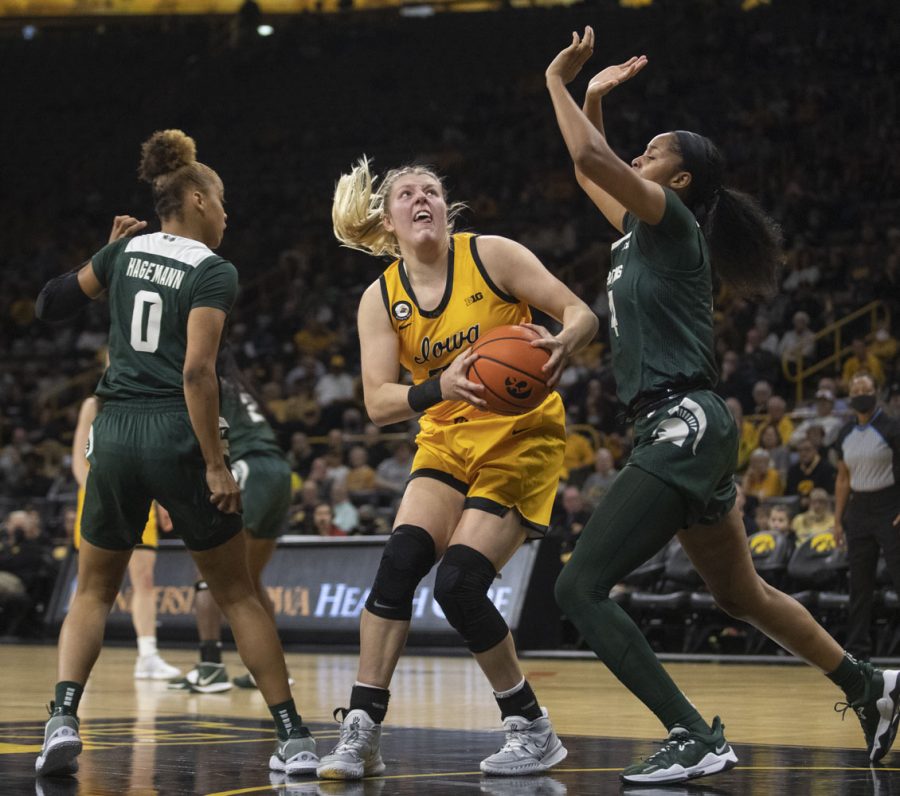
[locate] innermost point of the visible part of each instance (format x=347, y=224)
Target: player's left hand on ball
x=123, y=226
x=569, y=61
x=559, y=354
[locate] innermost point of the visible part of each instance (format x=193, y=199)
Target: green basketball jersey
x=248, y=430
x=153, y=282
x=660, y=303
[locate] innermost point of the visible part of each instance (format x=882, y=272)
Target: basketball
x=509, y=367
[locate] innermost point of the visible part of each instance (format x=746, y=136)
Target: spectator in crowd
x=32, y=483
x=579, y=453
x=732, y=380
x=824, y=417
x=776, y=415
x=371, y=522
x=779, y=520
x=344, y=513
x=749, y=436
x=884, y=344
x=770, y=442
x=23, y=562
x=300, y=455
x=12, y=457
x=376, y=448
x=841, y=408
x=597, y=484
x=308, y=369
x=799, y=340
x=810, y=471
x=761, y=481
x=335, y=470
x=762, y=392
x=334, y=390
x=360, y=480
x=299, y=411
x=761, y=361
x=864, y=361
x=570, y=520
x=817, y=519
x=392, y=473
x=323, y=521
x=302, y=513
x=768, y=340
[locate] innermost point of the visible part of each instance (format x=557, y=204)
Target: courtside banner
x=318, y=586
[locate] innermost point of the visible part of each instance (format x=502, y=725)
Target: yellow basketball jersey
x=471, y=306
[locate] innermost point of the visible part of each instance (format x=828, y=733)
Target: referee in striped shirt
x=867, y=504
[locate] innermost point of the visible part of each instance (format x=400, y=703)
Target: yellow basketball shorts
x=498, y=462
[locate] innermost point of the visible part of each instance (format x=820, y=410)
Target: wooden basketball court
x=142, y=739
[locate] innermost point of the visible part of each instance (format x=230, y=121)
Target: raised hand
x=607, y=79
x=568, y=63
x=123, y=226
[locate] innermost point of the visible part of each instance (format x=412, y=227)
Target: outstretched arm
x=63, y=297
x=590, y=153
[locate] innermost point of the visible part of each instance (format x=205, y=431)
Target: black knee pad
x=463, y=579
x=408, y=557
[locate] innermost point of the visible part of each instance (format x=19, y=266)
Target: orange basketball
x=509, y=367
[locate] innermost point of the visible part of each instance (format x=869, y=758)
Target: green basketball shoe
x=878, y=710
x=685, y=755
x=62, y=745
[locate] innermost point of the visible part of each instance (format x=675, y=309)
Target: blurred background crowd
x=464, y=93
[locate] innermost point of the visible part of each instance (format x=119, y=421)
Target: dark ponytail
x=233, y=382
x=744, y=242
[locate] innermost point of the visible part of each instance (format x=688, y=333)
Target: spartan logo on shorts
x=401, y=310
x=685, y=420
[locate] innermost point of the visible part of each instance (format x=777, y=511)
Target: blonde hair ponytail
x=359, y=208
x=357, y=213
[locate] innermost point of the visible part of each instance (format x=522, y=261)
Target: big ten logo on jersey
x=435, y=349
x=474, y=297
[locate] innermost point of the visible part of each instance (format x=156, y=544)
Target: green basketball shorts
x=142, y=451
x=265, y=482
x=691, y=444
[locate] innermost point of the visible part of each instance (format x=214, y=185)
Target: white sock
x=146, y=646
x=514, y=690
x=366, y=685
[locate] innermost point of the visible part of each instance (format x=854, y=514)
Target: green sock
x=68, y=695
x=287, y=720
x=849, y=678
x=636, y=518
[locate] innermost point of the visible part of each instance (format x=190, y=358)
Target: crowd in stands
x=280, y=123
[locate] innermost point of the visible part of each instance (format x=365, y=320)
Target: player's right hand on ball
x=455, y=384
x=225, y=494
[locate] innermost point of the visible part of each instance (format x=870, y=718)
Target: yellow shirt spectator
x=579, y=453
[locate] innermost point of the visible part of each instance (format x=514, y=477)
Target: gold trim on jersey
x=471, y=305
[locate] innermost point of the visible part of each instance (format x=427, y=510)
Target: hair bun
x=164, y=152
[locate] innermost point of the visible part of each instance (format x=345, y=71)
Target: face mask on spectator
x=863, y=403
